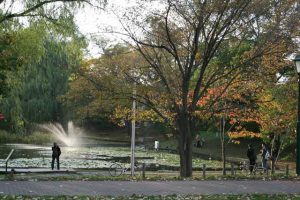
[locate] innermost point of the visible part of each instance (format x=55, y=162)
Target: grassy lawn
x=234, y=151
x=212, y=146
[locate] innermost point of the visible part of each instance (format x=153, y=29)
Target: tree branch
x=35, y=7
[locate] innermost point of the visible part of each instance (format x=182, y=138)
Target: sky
x=91, y=21
x=88, y=19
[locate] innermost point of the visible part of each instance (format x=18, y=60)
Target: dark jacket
x=56, y=151
x=251, y=154
x=265, y=153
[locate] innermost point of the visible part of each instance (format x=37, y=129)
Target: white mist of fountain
x=69, y=138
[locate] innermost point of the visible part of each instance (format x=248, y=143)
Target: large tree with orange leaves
x=191, y=48
x=197, y=45
x=261, y=104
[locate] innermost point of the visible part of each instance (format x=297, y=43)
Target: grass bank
x=33, y=138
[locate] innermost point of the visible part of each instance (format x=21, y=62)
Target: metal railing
x=8, y=157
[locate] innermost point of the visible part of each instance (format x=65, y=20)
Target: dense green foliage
x=31, y=86
x=39, y=50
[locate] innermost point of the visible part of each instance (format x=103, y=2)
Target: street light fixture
x=297, y=63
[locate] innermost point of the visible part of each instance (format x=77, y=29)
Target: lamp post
x=132, y=161
x=297, y=63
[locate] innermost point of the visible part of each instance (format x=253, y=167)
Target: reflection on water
x=21, y=150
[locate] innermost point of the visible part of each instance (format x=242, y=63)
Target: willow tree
x=56, y=14
x=181, y=41
x=33, y=81
x=46, y=80
x=21, y=47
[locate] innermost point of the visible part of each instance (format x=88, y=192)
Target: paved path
x=127, y=188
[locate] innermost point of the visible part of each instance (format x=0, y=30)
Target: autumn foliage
x=239, y=107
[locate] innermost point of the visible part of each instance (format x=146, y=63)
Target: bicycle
x=117, y=169
x=257, y=168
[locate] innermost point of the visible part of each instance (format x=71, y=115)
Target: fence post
x=7, y=159
x=204, y=171
x=232, y=169
x=287, y=170
x=143, y=171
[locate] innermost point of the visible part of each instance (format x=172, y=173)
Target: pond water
x=92, y=155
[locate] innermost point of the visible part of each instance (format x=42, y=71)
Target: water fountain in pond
x=71, y=137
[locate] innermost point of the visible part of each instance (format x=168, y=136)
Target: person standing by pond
x=55, y=155
x=251, y=156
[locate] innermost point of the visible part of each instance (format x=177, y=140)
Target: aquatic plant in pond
x=96, y=157
x=71, y=137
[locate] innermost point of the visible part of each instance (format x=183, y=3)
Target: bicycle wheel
x=115, y=169
x=244, y=168
x=258, y=169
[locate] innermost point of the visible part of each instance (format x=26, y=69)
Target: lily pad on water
x=98, y=157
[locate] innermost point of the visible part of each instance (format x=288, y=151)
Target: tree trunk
x=272, y=165
x=185, y=146
x=275, y=150
x=222, y=133
x=224, y=157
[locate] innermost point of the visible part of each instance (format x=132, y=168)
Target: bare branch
x=173, y=46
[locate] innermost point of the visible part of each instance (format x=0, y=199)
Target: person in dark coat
x=251, y=156
x=55, y=155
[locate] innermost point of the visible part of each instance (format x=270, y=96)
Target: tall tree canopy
x=107, y=88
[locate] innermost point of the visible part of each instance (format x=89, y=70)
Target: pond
x=93, y=155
